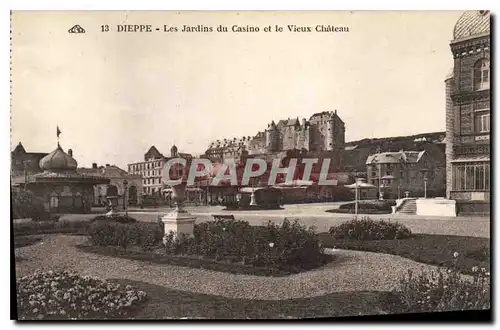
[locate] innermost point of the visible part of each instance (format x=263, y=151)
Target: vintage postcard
x=250, y=165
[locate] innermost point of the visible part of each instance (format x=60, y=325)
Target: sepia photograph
x=249, y=165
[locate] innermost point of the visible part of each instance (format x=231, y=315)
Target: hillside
x=356, y=152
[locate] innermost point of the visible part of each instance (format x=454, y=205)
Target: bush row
x=50, y=227
x=382, y=205
x=286, y=246
x=368, y=229
x=109, y=233
x=79, y=227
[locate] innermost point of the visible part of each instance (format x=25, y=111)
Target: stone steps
x=409, y=207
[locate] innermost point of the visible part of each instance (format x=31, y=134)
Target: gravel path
x=352, y=271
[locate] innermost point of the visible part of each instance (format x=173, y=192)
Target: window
x=482, y=122
x=470, y=176
x=482, y=74
x=54, y=201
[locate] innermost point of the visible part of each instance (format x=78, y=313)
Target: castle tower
x=272, y=138
x=330, y=132
x=306, y=136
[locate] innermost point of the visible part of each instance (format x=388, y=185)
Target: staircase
x=409, y=206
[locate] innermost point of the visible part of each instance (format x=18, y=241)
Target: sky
x=114, y=94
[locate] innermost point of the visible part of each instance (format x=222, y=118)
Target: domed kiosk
x=61, y=188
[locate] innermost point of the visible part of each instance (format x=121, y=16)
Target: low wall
x=436, y=207
x=473, y=208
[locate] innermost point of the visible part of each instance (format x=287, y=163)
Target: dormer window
x=482, y=74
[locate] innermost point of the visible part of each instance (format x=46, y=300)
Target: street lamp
x=356, y=196
x=125, y=183
x=399, y=190
x=425, y=187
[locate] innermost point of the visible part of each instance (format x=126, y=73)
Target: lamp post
x=380, y=193
x=125, y=183
x=399, y=191
x=356, y=197
x=425, y=187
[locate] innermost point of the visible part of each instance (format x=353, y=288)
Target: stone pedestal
x=179, y=221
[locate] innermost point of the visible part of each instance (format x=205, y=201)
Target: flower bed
x=373, y=206
x=290, y=246
x=445, y=291
x=430, y=249
x=368, y=229
x=66, y=295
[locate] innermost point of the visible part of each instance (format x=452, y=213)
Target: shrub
x=66, y=295
x=109, y=233
x=445, y=291
x=368, y=229
x=381, y=205
x=148, y=235
x=27, y=205
x=116, y=218
x=104, y=233
x=288, y=246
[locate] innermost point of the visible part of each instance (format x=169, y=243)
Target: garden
x=272, y=254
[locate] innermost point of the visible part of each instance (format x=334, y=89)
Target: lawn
x=430, y=249
x=21, y=241
x=158, y=257
x=166, y=303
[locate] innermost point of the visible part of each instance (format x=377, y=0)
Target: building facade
x=151, y=169
x=415, y=172
x=468, y=109
x=122, y=184
x=24, y=163
x=324, y=131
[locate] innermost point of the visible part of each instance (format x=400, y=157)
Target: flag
x=58, y=131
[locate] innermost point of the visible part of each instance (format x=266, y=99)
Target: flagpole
x=58, y=132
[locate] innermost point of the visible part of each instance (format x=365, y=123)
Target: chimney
x=70, y=152
x=107, y=165
x=94, y=165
